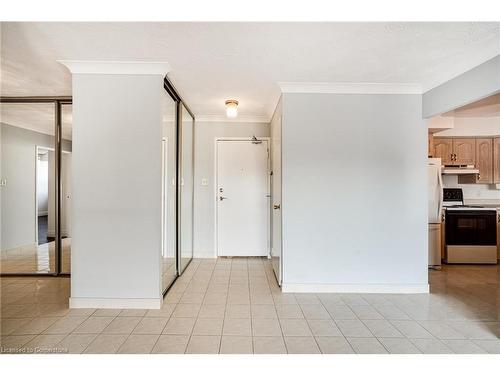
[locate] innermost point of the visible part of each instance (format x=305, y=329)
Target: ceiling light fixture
x=231, y=108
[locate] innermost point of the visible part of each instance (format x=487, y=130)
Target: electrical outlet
x=204, y=182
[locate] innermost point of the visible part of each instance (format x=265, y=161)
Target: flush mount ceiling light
x=231, y=108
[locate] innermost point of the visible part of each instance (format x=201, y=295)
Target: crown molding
x=116, y=67
x=240, y=119
x=350, y=88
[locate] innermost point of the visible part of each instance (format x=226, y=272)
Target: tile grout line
x=342, y=333
x=307, y=322
x=196, y=318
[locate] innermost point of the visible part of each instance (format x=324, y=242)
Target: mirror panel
x=27, y=183
x=66, y=196
x=169, y=201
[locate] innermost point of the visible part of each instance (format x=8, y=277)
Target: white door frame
x=216, y=184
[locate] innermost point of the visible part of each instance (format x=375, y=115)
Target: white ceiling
x=212, y=62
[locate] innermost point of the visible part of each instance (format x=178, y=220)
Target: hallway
x=235, y=306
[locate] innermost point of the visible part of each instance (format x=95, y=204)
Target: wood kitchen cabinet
x=496, y=160
x=464, y=151
x=455, y=151
x=443, y=148
x=484, y=160
x=483, y=153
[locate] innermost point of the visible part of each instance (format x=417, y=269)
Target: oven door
x=470, y=227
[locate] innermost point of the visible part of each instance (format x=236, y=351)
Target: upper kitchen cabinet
x=443, y=148
x=430, y=145
x=454, y=151
x=496, y=160
x=464, y=151
x=484, y=160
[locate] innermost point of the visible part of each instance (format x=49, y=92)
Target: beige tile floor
x=235, y=306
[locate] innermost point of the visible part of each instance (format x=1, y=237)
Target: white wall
x=204, y=196
x=66, y=191
x=18, y=159
x=116, y=225
x=354, y=200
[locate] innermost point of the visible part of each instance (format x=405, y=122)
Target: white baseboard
x=115, y=303
x=354, y=288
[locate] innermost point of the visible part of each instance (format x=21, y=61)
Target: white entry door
x=242, y=198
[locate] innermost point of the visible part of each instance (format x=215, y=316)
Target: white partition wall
x=117, y=184
x=354, y=204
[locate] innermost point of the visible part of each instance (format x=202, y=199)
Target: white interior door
x=242, y=198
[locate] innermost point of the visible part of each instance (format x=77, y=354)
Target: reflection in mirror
x=187, y=187
x=67, y=136
x=169, y=157
x=27, y=178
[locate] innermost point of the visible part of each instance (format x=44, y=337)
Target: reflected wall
x=65, y=181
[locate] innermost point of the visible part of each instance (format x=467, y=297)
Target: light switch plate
x=204, y=182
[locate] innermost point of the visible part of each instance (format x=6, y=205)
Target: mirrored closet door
x=27, y=188
x=169, y=185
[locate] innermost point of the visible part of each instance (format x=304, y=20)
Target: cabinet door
x=430, y=145
x=484, y=160
x=464, y=151
x=443, y=148
x=496, y=160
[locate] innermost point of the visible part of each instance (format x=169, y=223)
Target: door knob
x=276, y=206
x=221, y=198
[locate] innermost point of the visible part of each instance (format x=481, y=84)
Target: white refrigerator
x=435, y=197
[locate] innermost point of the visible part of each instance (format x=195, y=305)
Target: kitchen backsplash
x=472, y=191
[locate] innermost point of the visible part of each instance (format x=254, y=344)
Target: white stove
x=470, y=230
